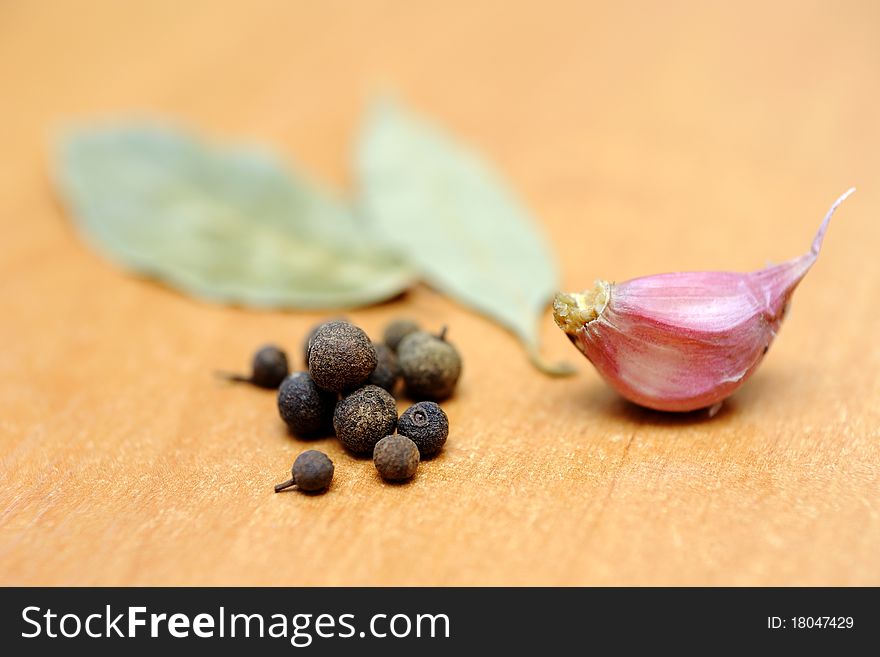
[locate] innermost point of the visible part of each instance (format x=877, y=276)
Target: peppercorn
x=362, y=418
x=307, y=343
x=311, y=336
x=341, y=356
x=387, y=370
x=397, y=331
x=430, y=365
x=396, y=457
x=268, y=368
x=304, y=406
x=426, y=425
x=312, y=471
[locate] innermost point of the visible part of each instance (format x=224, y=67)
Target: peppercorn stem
x=230, y=376
x=442, y=334
x=287, y=484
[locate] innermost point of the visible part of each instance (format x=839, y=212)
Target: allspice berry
x=312, y=471
x=268, y=368
x=305, y=408
x=387, y=370
x=426, y=424
x=307, y=343
x=397, y=331
x=341, y=356
x=396, y=457
x=362, y=418
x=430, y=365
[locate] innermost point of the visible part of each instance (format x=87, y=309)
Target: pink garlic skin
x=684, y=341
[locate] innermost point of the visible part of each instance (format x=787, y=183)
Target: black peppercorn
x=430, y=365
x=362, y=418
x=307, y=343
x=397, y=331
x=396, y=457
x=304, y=406
x=387, y=370
x=312, y=471
x=268, y=368
x=426, y=425
x=341, y=356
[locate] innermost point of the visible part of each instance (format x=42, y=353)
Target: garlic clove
x=683, y=341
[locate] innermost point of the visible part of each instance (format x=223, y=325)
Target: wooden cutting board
x=646, y=138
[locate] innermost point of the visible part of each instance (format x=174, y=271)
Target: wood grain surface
x=646, y=136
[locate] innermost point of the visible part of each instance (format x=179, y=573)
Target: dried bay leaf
x=224, y=224
x=454, y=219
